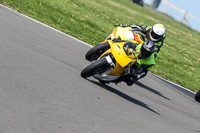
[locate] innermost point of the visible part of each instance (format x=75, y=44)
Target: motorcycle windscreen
x=120, y=32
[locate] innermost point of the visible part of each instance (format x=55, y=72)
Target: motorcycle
x=113, y=63
x=122, y=33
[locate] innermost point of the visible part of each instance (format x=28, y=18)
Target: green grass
x=93, y=20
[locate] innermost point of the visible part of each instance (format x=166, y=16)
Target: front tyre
x=95, y=67
x=197, y=96
x=95, y=52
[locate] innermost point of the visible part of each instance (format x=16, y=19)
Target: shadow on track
x=151, y=90
x=180, y=88
x=123, y=95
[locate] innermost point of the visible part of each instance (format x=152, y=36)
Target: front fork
x=110, y=61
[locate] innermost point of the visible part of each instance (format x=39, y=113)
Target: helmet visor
x=154, y=35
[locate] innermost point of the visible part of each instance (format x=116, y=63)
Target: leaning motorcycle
x=122, y=33
x=113, y=63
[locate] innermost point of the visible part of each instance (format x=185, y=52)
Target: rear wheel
x=98, y=66
x=95, y=52
x=197, y=96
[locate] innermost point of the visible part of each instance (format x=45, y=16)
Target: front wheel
x=96, y=51
x=197, y=96
x=96, y=67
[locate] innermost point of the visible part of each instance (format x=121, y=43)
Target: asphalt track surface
x=41, y=90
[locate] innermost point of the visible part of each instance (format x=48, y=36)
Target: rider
x=155, y=33
x=144, y=52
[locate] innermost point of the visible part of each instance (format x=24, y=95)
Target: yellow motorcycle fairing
x=117, y=70
x=125, y=33
x=120, y=32
x=123, y=56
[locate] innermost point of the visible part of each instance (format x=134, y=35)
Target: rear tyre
x=95, y=52
x=95, y=67
x=197, y=96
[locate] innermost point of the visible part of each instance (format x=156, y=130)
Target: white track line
x=82, y=42
x=172, y=83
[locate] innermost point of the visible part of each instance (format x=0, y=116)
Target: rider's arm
x=144, y=29
x=158, y=46
x=140, y=27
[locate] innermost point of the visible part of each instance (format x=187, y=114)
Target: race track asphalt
x=41, y=90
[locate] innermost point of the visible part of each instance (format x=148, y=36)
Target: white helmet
x=157, y=31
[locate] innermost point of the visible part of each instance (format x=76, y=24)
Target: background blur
x=192, y=17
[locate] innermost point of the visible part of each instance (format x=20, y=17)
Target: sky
x=191, y=6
